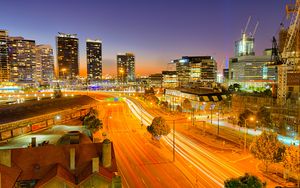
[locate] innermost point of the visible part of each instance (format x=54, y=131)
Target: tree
x=187, y=105
x=246, y=114
x=246, y=181
x=178, y=108
x=164, y=105
x=291, y=160
x=91, y=122
x=266, y=147
x=159, y=127
x=264, y=117
x=149, y=91
x=153, y=99
x=234, y=87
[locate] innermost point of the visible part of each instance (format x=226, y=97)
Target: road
x=189, y=153
x=142, y=162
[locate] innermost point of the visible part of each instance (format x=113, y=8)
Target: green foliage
x=266, y=147
x=159, y=127
x=91, y=122
x=164, y=104
x=264, y=117
x=152, y=98
x=178, y=108
x=187, y=105
x=246, y=114
x=246, y=181
x=291, y=160
x=234, y=87
x=149, y=91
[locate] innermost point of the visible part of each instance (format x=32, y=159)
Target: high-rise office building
x=4, y=68
x=125, y=68
x=22, y=59
x=94, y=60
x=244, y=46
x=44, y=63
x=67, y=55
x=195, y=69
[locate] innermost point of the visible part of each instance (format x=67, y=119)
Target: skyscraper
x=94, y=60
x=125, y=68
x=44, y=63
x=4, y=69
x=67, y=55
x=21, y=59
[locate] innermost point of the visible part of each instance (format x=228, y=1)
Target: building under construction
x=289, y=48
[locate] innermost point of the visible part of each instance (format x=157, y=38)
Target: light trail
x=202, y=160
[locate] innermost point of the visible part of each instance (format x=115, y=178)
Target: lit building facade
x=170, y=79
x=125, y=68
x=67, y=55
x=22, y=59
x=4, y=68
x=94, y=60
x=44, y=63
x=251, y=71
x=195, y=69
x=155, y=80
x=244, y=46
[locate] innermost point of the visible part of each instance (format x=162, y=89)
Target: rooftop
x=45, y=162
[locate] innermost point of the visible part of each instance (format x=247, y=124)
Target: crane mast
x=288, y=52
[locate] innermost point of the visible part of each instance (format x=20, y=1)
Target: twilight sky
x=156, y=31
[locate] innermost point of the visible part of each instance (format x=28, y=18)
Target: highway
x=193, y=155
x=142, y=162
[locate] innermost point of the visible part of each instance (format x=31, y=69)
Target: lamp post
x=246, y=131
x=141, y=115
x=219, y=120
x=173, y=143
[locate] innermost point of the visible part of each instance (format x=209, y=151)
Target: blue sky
x=156, y=31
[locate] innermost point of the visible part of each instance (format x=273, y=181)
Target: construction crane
x=286, y=61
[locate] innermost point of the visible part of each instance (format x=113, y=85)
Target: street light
x=141, y=115
x=174, y=145
x=220, y=108
x=246, y=132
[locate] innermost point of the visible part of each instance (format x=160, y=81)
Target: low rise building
x=200, y=98
x=156, y=80
x=169, y=79
x=71, y=165
x=195, y=69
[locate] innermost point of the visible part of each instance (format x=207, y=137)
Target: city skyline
x=154, y=32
